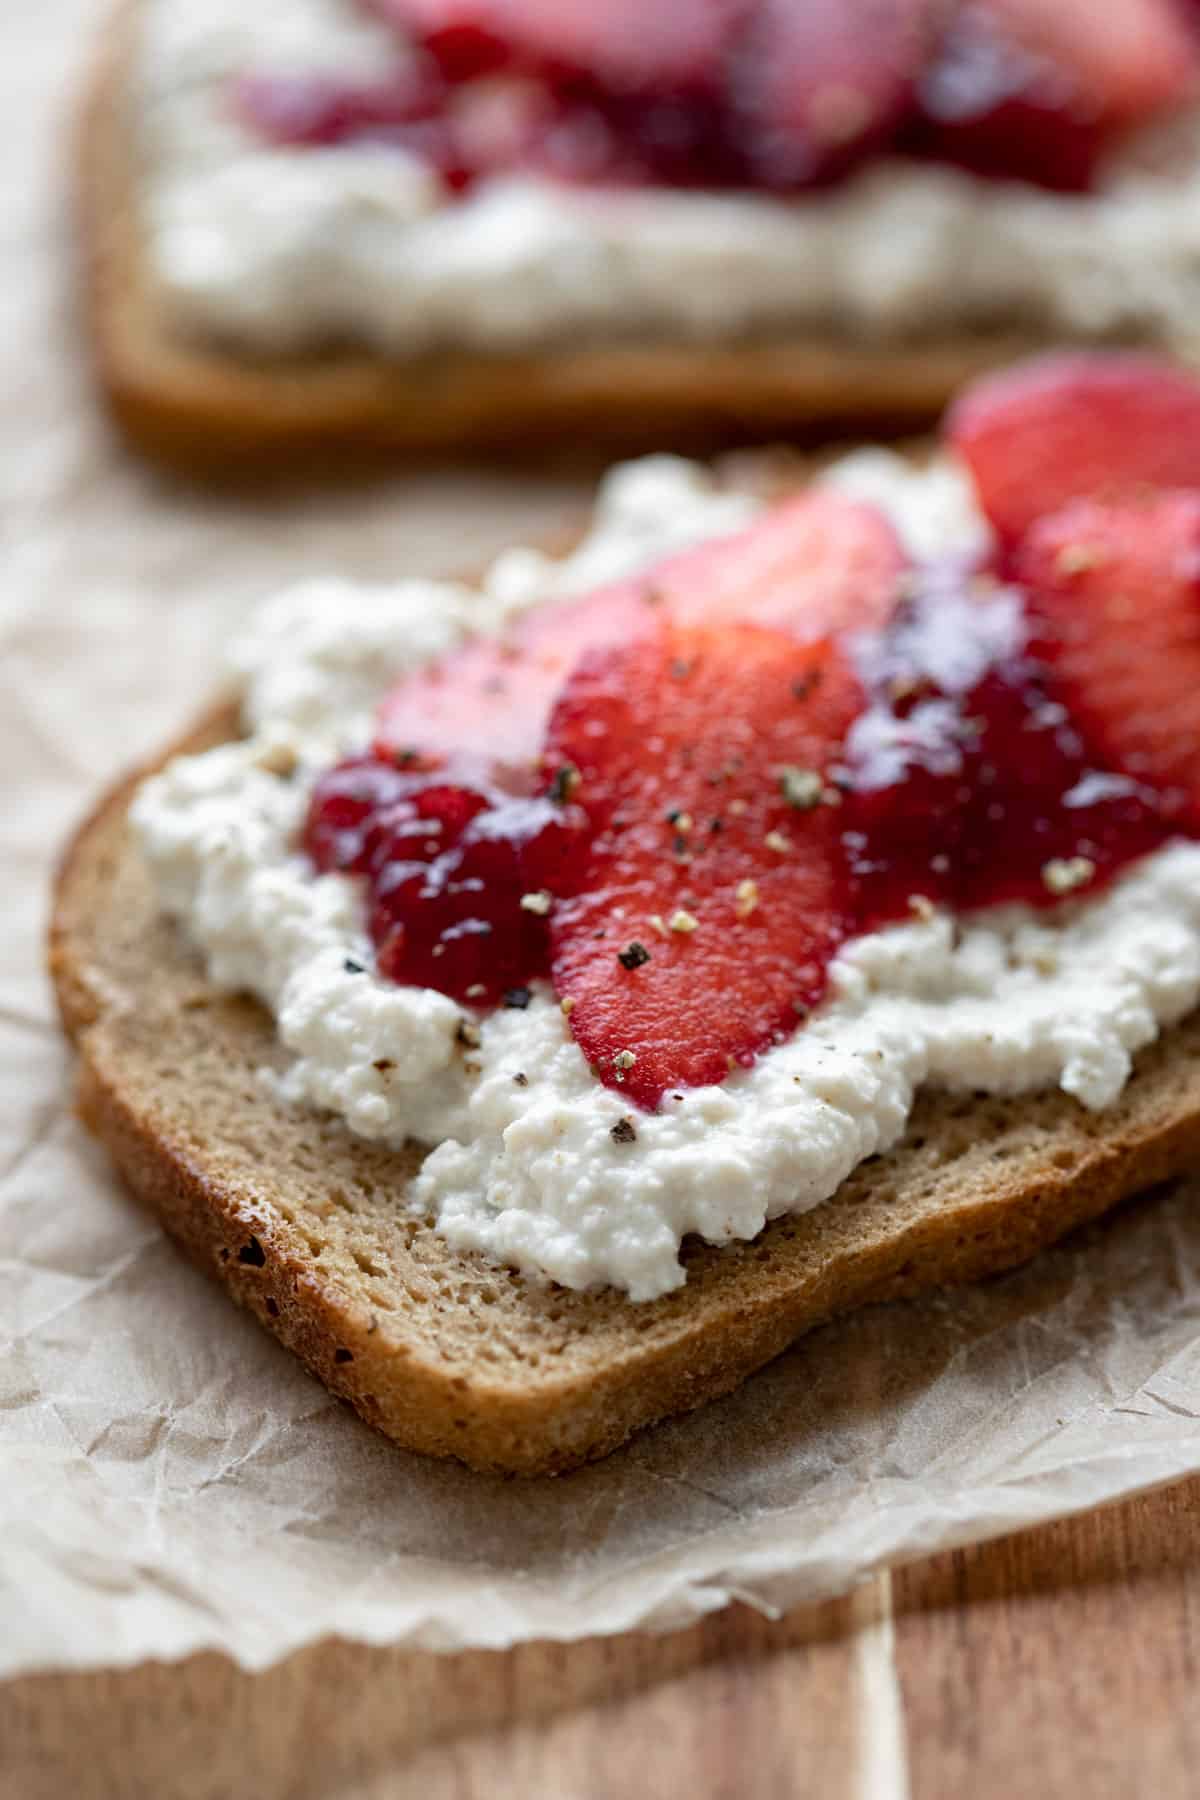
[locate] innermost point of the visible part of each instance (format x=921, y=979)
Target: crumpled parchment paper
x=169, y=1478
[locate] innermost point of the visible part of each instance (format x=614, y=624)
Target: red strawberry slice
x=706, y=906
x=622, y=46
x=1037, y=91
x=815, y=86
x=1114, y=589
x=1071, y=425
x=815, y=565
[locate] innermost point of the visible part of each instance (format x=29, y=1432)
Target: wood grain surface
x=1060, y=1663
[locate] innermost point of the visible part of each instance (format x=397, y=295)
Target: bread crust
x=451, y=1355
x=209, y=409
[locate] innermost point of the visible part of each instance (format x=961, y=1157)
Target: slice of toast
x=207, y=407
x=456, y=1356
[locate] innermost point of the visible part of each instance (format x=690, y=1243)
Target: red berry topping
x=750, y=93
x=621, y=46
x=970, y=782
x=449, y=857
x=678, y=797
x=352, y=803
x=1038, y=91
x=1114, y=592
x=1068, y=426
x=466, y=38
x=411, y=109
x=706, y=905
x=319, y=109
x=815, y=87
x=812, y=566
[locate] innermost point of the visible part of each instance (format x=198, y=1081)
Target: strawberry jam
x=458, y=869
x=765, y=94
x=967, y=780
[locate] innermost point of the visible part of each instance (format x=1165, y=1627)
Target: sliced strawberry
x=815, y=86
x=815, y=565
x=493, y=695
x=1037, y=91
x=706, y=904
x=1066, y=426
x=1114, y=589
x=621, y=46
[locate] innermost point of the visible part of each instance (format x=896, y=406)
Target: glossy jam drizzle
x=456, y=865
x=967, y=781
x=964, y=782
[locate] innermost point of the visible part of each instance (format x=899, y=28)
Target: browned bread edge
x=205, y=407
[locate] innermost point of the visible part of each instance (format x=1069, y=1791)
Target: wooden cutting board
x=1061, y=1663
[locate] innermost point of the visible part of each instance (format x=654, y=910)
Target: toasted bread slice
x=204, y=406
x=453, y=1355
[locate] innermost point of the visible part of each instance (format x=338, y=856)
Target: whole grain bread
x=207, y=407
x=453, y=1355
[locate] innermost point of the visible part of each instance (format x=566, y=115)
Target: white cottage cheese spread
x=528, y=1171
x=282, y=250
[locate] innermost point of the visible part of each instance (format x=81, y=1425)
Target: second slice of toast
x=208, y=406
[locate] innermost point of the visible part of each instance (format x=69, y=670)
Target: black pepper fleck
x=624, y=1132
x=521, y=1078
x=633, y=955
x=353, y=968
x=566, y=780
x=517, y=998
